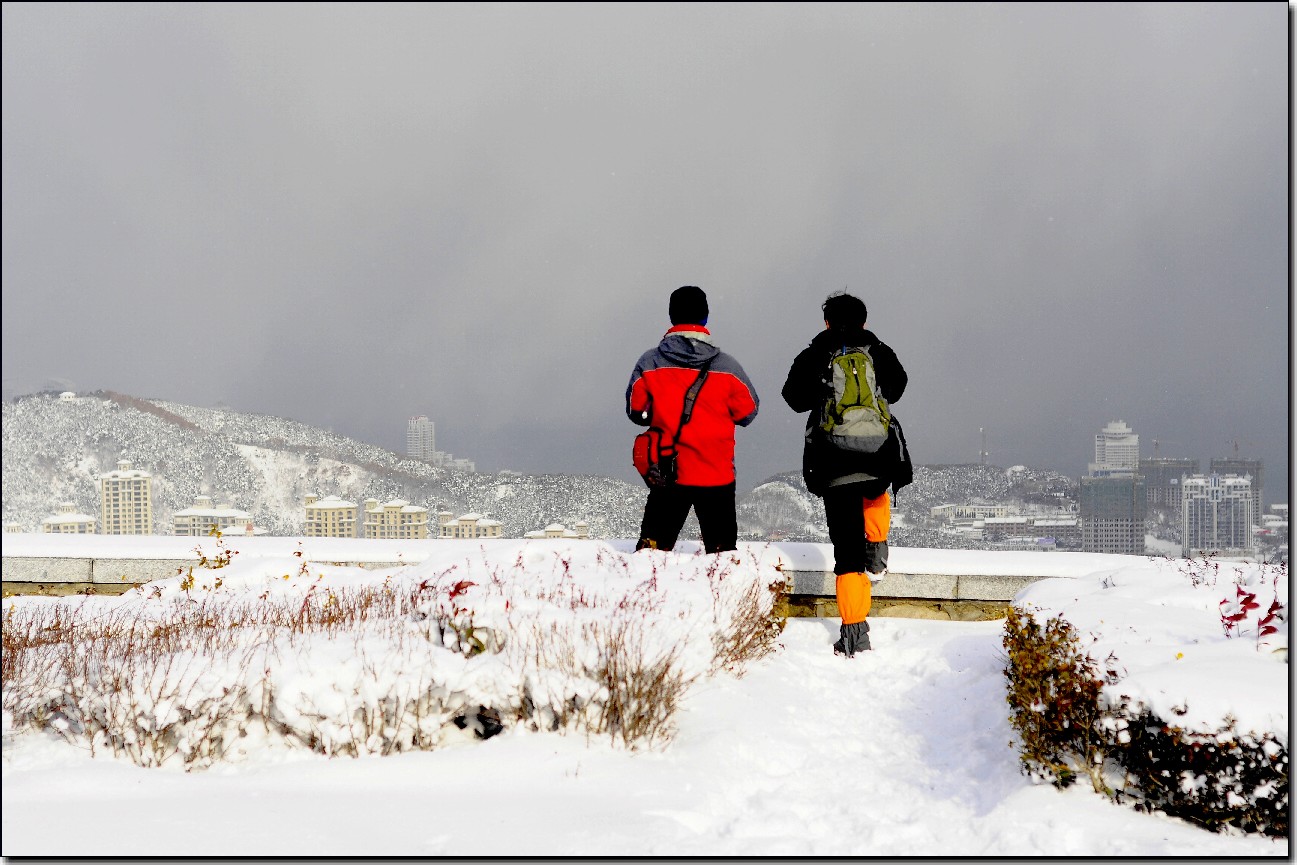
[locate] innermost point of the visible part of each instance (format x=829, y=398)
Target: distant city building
x=581, y=531
x=471, y=526
x=199, y=520
x=395, y=519
x=1066, y=531
x=1163, y=477
x=1112, y=511
x=1244, y=468
x=1033, y=532
x=1272, y=535
x=421, y=443
x=952, y=513
x=126, y=501
x=68, y=522
x=68, y=396
x=1116, y=451
x=1217, y=515
x=329, y=517
x=421, y=438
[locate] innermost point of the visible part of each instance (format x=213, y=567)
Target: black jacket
x=807, y=389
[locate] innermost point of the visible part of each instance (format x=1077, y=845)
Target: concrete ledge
x=47, y=569
x=134, y=570
x=929, y=586
x=983, y=588
x=106, y=571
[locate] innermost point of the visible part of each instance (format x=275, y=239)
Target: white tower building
x=1216, y=515
x=1116, y=451
x=420, y=438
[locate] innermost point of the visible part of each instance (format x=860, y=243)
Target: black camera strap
x=691, y=396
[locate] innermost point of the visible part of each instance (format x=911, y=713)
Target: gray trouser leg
x=854, y=638
x=875, y=556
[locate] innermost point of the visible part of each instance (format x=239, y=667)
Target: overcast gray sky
x=1058, y=214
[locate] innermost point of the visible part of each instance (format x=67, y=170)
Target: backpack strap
x=691, y=396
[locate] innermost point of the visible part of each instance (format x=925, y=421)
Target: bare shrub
x=747, y=622
x=185, y=673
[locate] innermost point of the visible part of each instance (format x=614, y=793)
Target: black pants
x=844, y=512
x=668, y=508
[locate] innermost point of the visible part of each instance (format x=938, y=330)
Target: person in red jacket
x=705, y=447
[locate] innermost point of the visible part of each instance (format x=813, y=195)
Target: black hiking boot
x=854, y=638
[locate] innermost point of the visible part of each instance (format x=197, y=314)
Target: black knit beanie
x=688, y=305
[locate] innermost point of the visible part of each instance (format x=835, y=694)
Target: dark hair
x=688, y=305
x=844, y=312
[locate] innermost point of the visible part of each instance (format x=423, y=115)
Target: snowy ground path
x=903, y=751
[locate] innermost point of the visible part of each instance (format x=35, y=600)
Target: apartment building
x=329, y=517
x=1066, y=531
x=1163, y=477
x=125, y=501
x=395, y=519
x=1254, y=469
x=199, y=520
x=68, y=522
x=421, y=443
x=580, y=531
x=1112, y=511
x=421, y=438
x=470, y=526
x=1216, y=515
x=953, y=513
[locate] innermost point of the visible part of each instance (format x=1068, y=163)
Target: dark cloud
x=1059, y=214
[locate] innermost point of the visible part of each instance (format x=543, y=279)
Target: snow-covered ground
x=902, y=751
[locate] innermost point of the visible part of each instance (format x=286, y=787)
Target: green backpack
x=855, y=415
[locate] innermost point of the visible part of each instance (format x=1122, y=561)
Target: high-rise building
x=67, y=521
x=1116, y=451
x=420, y=438
x=1244, y=468
x=1163, y=477
x=1216, y=515
x=1112, y=511
x=329, y=517
x=395, y=519
x=126, y=501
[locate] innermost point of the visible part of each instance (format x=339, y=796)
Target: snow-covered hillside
x=54, y=449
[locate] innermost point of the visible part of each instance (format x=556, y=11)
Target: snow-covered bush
x=558, y=636
x=1091, y=695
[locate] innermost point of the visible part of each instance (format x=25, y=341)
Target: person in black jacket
x=853, y=484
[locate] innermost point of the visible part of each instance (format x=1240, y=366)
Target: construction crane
x=1237, y=442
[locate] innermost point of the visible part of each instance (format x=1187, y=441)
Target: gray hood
x=691, y=350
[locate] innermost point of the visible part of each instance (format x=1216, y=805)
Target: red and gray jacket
x=656, y=395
